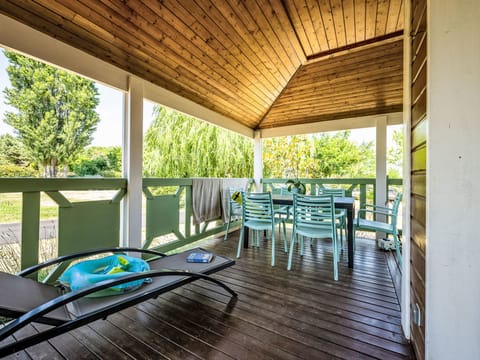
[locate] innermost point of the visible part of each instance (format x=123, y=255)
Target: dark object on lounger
x=32, y=301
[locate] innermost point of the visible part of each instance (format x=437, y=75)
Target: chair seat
x=261, y=225
x=374, y=225
x=314, y=232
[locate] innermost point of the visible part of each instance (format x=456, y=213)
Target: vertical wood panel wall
x=419, y=122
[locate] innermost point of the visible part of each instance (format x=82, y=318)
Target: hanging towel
x=237, y=183
x=206, y=203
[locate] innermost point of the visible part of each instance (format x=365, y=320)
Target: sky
x=109, y=130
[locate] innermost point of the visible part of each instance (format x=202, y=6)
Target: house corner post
x=132, y=163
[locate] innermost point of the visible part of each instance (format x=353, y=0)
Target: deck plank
x=279, y=314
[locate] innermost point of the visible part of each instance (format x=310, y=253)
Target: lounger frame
x=60, y=327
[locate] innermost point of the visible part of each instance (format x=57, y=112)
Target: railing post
x=30, y=229
x=188, y=211
x=363, y=198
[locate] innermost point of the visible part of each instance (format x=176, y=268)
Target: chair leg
x=335, y=257
x=228, y=227
x=285, y=245
x=302, y=245
x=342, y=230
x=290, y=254
x=240, y=241
x=273, y=245
x=397, y=248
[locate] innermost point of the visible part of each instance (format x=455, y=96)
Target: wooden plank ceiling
x=263, y=63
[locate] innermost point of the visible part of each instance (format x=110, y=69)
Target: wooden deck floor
x=301, y=314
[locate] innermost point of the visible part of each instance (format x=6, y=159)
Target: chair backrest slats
x=257, y=206
x=395, y=206
x=314, y=211
x=235, y=207
x=333, y=192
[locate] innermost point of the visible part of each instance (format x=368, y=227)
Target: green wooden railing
x=168, y=212
x=361, y=188
x=81, y=225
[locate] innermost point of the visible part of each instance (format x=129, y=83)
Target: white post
x=405, y=285
x=452, y=325
x=132, y=163
x=258, y=160
x=381, y=164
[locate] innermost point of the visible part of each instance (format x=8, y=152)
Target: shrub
x=10, y=170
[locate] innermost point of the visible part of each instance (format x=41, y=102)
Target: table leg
x=245, y=237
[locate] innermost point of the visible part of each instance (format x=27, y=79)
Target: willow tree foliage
x=178, y=146
x=55, y=111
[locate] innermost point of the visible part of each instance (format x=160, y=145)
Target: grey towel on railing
x=237, y=183
x=206, y=203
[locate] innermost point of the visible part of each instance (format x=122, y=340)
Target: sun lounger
x=28, y=301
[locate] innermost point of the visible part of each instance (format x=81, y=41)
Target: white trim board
x=333, y=125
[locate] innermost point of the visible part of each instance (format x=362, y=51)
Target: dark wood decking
x=301, y=314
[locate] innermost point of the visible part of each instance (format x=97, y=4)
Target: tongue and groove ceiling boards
x=262, y=63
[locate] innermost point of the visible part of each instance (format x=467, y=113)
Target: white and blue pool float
x=89, y=272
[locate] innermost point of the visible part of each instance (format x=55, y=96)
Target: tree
x=101, y=161
x=338, y=156
x=55, y=116
x=12, y=151
x=288, y=157
x=395, y=155
x=177, y=145
x=318, y=156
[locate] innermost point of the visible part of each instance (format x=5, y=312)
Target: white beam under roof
x=332, y=125
x=23, y=39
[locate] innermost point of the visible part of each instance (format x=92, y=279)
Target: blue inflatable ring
x=89, y=272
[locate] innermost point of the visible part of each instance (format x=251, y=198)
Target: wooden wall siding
x=419, y=136
x=360, y=83
x=326, y=25
x=233, y=57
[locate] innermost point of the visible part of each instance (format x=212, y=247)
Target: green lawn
x=11, y=208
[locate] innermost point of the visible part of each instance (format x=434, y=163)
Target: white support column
x=405, y=285
x=381, y=163
x=452, y=318
x=132, y=163
x=258, y=160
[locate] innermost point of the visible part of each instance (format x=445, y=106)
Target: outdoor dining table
x=347, y=203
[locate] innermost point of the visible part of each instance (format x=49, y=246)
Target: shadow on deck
x=301, y=314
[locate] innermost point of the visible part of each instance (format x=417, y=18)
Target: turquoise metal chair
x=234, y=208
x=340, y=214
x=258, y=215
x=372, y=224
x=314, y=217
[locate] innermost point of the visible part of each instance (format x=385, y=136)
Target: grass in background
x=11, y=208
